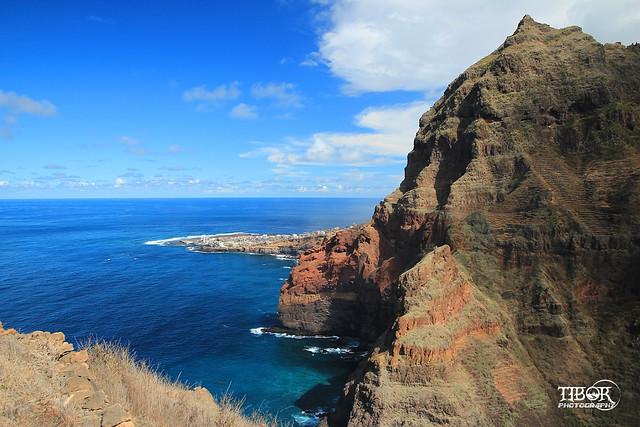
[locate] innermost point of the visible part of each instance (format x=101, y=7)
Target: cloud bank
x=22, y=104
x=283, y=94
x=201, y=95
x=419, y=45
x=389, y=138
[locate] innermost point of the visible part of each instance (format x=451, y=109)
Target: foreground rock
x=507, y=262
x=44, y=382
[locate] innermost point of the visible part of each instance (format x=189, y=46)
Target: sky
x=241, y=98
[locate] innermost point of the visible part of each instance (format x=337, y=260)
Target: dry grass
x=31, y=389
x=155, y=400
x=28, y=395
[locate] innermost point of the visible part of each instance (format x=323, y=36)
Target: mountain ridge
x=521, y=198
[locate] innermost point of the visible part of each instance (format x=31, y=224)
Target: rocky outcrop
x=44, y=382
x=506, y=263
x=342, y=286
x=69, y=393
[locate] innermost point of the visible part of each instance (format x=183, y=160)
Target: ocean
x=82, y=267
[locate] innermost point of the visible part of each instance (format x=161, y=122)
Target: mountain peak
x=529, y=159
x=526, y=20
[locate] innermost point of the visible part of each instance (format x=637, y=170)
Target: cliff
x=506, y=264
x=44, y=382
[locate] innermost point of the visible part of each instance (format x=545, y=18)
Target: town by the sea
x=84, y=267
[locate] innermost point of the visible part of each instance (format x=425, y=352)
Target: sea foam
x=262, y=331
x=165, y=242
x=169, y=241
x=330, y=350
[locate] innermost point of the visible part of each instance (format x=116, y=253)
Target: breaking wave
x=262, y=331
x=172, y=240
x=331, y=350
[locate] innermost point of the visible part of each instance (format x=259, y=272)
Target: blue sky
x=242, y=98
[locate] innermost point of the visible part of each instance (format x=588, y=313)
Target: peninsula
x=290, y=245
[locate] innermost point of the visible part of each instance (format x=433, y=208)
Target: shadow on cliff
x=455, y=159
x=323, y=396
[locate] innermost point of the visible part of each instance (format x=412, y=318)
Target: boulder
x=96, y=401
x=75, y=357
x=114, y=415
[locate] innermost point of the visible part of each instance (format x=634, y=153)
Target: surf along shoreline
x=291, y=245
x=282, y=246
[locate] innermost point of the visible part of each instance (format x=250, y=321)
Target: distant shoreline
x=250, y=243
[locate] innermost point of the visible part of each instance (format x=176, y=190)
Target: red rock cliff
x=507, y=262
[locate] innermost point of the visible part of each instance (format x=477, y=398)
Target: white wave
x=337, y=350
x=310, y=418
x=330, y=350
x=306, y=420
x=195, y=250
x=287, y=267
x=164, y=242
x=261, y=331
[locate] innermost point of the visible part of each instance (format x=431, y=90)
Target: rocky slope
x=44, y=382
x=507, y=262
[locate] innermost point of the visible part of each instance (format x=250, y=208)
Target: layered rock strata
x=506, y=264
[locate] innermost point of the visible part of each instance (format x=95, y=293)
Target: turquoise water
x=82, y=267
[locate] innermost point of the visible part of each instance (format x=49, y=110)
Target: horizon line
x=187, y=198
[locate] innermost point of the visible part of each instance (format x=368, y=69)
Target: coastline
x=292, y=247
x=289, y=245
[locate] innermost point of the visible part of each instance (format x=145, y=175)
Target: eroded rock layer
x=507, y=262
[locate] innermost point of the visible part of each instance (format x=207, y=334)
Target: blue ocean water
x=82, y=267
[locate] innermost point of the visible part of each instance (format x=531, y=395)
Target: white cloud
x=244, y=111
x=220, y=93
x=357, y=175
x=392, y=129
x=119, y=182
x=134, y=146
x=608, y=21
x=22, y=104
x=175, y=148
x=283, y=94
x=312, y=60
x=384, y=45
x=81, y=184
x=127, y=140
x=4, y=183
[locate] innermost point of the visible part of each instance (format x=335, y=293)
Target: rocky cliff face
x=507, y=262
